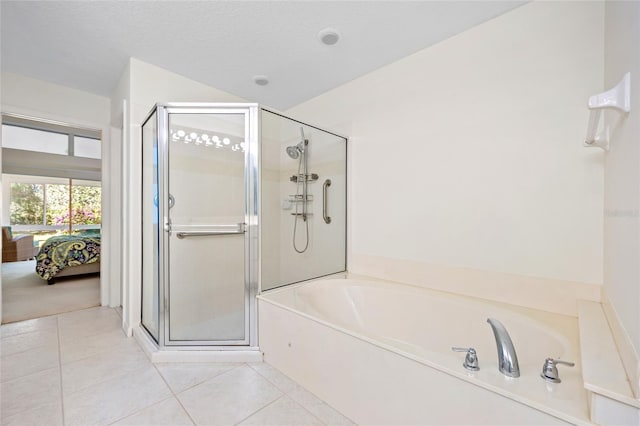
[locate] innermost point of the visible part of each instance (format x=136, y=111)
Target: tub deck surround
x=546, y=294
x=628, y=355
x=385, y=336
x=612, y=401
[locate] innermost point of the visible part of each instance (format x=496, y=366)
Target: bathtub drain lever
x=471, y=360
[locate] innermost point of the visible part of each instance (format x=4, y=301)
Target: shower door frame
x=251, y=235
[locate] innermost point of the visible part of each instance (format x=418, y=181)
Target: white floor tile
x=113, y=364
x=28, y=392
x=76, y=318
x=181, y=376
x=107, y=378
x=28, y=362
x=229, y=397
x=166, y=413
x=283, y=412
x=106, y=402
x=88, y=322
x=85, y=347
x=25, y=341
x=273, y=375
x=317, y=407
x=48, y=414
x=38, y=324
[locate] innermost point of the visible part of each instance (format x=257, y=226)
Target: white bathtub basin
x=421, y=326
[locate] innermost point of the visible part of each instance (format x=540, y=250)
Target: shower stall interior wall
x=226, y=213
x=303, y=230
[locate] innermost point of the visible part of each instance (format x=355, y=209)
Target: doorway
x=51, y=218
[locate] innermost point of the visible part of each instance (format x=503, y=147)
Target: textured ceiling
x=85, y=44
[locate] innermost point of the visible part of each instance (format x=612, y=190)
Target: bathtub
x=380, y=353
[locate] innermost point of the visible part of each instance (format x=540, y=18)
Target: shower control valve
x=471, y=360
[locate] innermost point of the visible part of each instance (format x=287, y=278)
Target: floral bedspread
x=63, y=251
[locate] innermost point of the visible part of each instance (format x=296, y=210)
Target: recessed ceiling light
x=329, y=36
x=260, y=80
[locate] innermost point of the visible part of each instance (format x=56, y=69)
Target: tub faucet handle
x=471, y=360
x=550, y=371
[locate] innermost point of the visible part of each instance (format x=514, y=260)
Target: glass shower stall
x=236, y=199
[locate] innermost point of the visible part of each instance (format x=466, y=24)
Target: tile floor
x=78, y=368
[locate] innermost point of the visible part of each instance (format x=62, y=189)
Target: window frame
x=53, y=127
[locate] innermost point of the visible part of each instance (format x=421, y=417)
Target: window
x=55, y=188
x=34, y=140
x=86, y=147
x=30, y=135
x=50, y=205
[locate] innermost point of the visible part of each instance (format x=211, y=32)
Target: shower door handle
x=210, y=231
x=325, y=196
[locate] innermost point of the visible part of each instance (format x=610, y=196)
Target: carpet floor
x=25, y=295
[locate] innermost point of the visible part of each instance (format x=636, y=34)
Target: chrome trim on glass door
x=163, y=212
x=252, y=236
x=250, y=226
x=250, y=332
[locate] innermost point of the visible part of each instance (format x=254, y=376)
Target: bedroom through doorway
x=51, y=218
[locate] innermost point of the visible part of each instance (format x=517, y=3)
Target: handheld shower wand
x=294, y=152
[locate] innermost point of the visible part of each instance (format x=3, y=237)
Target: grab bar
x=224, y=230
x=325, y=215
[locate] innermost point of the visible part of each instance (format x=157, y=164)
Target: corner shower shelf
x=298, y=198
x=310, y=178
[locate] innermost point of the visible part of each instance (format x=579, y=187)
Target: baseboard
x=630, y=359
x=128, y=330
x=557, y=296
x=206, y=356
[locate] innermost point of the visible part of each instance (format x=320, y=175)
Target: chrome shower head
x=294, y=151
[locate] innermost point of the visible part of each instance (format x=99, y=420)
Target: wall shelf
x=617, y=98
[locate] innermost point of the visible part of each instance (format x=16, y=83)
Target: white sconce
x=618, y=98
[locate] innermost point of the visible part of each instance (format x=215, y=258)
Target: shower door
x=207, y=212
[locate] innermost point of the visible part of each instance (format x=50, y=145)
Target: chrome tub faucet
x=507, y=358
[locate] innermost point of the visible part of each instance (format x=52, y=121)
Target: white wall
x=41, y=99
x=147, y=85
x=120, y=119
x=467, y=168
x=44, y=100
x=622, y=185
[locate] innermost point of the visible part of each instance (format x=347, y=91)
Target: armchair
x=15, y=249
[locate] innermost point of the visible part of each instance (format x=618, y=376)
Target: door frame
x=110, y=294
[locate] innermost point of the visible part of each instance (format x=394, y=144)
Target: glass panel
x=87, y=205
x=34, y=140
x=39, y=205
x=294, y=249
x=206, y=180
x=27, y=204
x=57, y=204
x=150, y=228
x=86, y=147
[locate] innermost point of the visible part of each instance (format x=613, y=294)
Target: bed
x=67, y=255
